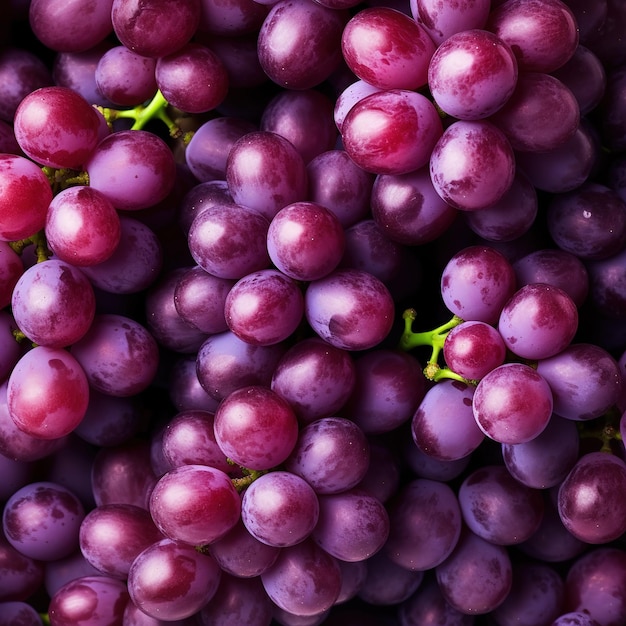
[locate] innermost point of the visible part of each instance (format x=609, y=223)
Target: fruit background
x=312, y=312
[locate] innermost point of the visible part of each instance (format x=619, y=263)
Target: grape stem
x=435, y=339
x=605, y=428
x=45, y=618
x=38, y=240
x=249, y=476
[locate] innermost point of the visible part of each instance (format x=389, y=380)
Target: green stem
x=38, y=240
x=605, y=429
x=249, y=476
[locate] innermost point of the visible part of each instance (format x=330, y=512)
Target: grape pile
x=226, y=229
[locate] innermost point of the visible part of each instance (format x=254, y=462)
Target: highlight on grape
x=312, y=312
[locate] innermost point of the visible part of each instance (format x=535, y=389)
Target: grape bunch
x=313, y=312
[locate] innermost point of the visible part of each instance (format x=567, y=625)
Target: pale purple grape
x=352, y=525
x=47, y=393
x=53, y=303
x=10, y=349
x=387, y=48
x=280, y=509
x=477, y=577
x=241, y=554
x=195, y=504
x=230, y=19
x=332, y=454
x=13, y=613
x=546, y=460
x=536, y=596
x=348, y=97
x=585, y=381
x=264, y=308
x=135, y=25
x=472, y=165
x=171, y=580
x=426, y=466
x=392, y=131
x=554, y=267
x=25, y=197
x=472, y=74
x=199, y=197
x=89, y=600
x=443, y=21
x=304, y=580
x=303, y=117
x=305, y=241
x=589, y=222
x=312, y=51
x=538, y=321
x=497, y=507
x=424, y=524
x=256, y=428
x=135, y=169
x=443, y=425
x=585, y=504
x=315, y=378
x=237, y=601
x=513, y=403
x=594, y=585
x=134, y=264
x=543, y=35
x=265, y=172
x=339, y=184
x=541, y=114
x=192, y=78
x=574, y=618
x=42, y=520
x=408, y=209
x=476, y=283
x=510, y=217
x=388, y=389
x=21, y=576
x=57, y=127
x=207, y=151
x=225, y=363
x=134, y=616
x=123, y=474
x=119, y=356
x=112, y=536
x=350, y=309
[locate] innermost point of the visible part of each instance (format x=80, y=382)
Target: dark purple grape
x=20, y=575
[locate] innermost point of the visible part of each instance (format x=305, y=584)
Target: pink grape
x=347, y=98
x=11, y=268
x=443, y=21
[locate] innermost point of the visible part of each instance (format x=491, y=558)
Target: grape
x=135, y=25
x=546, y=460
x=255, y=427
x=391, y=131
x=477, y=577
x=21, y=575
x=134, y=169
x=26, y=195
x=185, y=391
x=476, y=283
x=315, y=378
x=86, y=599
x=8, y=142
x=112, y=536
x=304, y=580
x=607, y=285
x=472, y=165
x=574, y=618
x=280, y=509
x=304, y=118
x=194, y=504
x=10, y=350
x=14, y=613
x=238, y=54
x=331, y=454
x=265, y=172
x=70, y=26
x=350, y=309
x=192, y=78
x=119, y=356
x=42, y=520
x=311, y=52
x=387, y=49
x=425, y=524
x=443, y=21
x=231, y=19
x=408, y=209
x=264, y=308
x=171, y=580
x=584, y=502
x=512, y=404
x=124, y=77
x=542, y=34
x=382, y=477
x=472, y=74
x=53, y=303
x=56, y=126
x=348, y=97
x=612, y=126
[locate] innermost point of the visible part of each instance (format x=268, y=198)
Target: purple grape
x=18, y=614
x=607, y=285
x=238, y=54
x=10, y=349
x=382, y=478
x=231, y=19
x=348, y=97
x=512, y=404
x=443, y=21
x=612, y=125
x=426, y=466
x=42, y=520
x=185, y=391
x=574, y=618
x=20, y=575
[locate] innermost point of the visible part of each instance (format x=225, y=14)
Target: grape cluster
x=220, y=223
